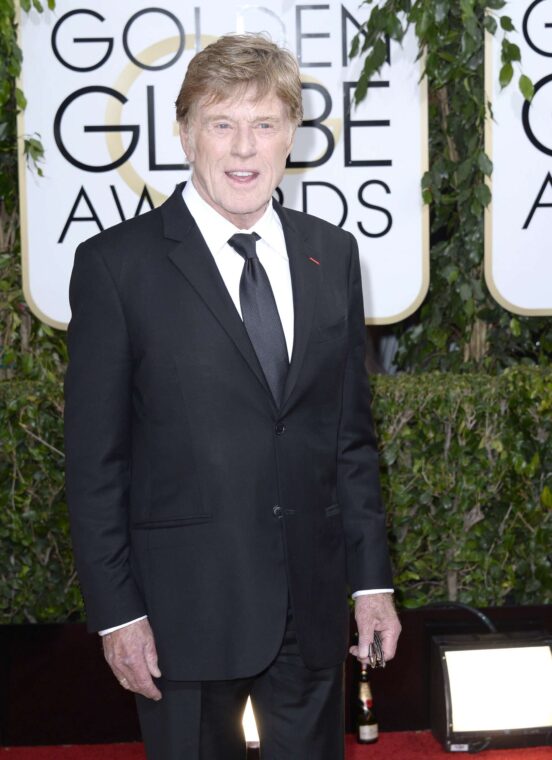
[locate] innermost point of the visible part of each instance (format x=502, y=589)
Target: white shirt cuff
x=123, y=625
x=365, y=592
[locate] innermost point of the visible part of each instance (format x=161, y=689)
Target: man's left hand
x=376, y=612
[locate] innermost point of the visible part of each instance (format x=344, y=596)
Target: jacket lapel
x=193, y=259
x=305, y=278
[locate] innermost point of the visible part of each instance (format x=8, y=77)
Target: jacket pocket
x=175, y=522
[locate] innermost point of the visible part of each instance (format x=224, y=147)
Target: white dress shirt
x=271, y=250
x=272, y=253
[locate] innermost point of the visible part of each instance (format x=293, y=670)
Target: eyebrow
x=226, y=117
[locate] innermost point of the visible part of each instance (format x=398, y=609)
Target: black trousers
x=299, y=713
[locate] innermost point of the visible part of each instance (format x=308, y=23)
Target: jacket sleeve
x=98, y=387
x=358, y=486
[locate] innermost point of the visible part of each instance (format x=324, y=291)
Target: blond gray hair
x=235, y=62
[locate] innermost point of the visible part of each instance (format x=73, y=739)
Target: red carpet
x=391, y=746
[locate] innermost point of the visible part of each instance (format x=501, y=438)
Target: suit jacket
x=193, y=499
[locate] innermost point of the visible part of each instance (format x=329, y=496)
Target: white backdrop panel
x=101, y=79
x=518, y=247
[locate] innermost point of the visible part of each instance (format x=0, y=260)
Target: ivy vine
x=28, y=348
x=459, y=327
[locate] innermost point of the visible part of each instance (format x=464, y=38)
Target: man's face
x=238, y=148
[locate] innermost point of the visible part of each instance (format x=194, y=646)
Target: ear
x=187, y=142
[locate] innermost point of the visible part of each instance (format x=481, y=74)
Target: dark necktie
x=260, y=315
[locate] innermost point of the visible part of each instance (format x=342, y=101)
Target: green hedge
x=37, y=579
x=467, y=479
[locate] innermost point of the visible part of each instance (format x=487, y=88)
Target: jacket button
x=280, y=428
x=277, y=510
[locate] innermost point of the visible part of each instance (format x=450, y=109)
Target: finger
x=140, y=682
x=147, y=688
x=365, y=638
x=150, y=655
x=123, y=674
x=133, y=674
x=354, y=652
x=389, y=641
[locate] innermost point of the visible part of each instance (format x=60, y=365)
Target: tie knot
x=244, y=244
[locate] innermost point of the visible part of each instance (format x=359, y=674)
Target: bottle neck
x=365, y=693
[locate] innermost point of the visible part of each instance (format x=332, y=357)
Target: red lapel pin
x=314, y=260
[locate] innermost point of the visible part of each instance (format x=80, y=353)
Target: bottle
x=367, y=725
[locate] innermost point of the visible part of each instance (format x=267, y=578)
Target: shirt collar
x=217, y=230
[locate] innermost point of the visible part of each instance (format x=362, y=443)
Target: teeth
x=241, y=174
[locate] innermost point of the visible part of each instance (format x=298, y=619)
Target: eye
x=265, y=125
x=221, y=125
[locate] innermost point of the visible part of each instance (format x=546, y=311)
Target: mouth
x=242, y=177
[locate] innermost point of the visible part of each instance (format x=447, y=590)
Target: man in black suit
x=222, y=471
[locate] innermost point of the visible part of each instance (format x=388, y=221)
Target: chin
x=253, y=208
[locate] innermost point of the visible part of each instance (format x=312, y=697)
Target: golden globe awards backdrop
x=101, y=79
x=518, y=239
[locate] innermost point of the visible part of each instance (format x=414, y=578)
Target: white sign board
x=518, y=238
x=101, y=79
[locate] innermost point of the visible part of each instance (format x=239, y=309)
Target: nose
x=243, y=144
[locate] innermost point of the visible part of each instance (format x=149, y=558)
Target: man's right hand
x=132, y=656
